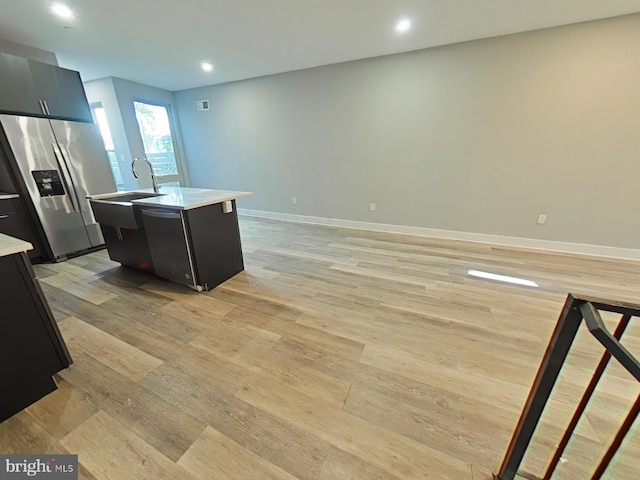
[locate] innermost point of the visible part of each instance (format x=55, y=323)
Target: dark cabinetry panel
x=215, y=239
x=34, y=88
x=31, y=347
x=61, y=90
x=17, y=90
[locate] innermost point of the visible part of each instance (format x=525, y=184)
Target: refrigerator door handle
x=71, y=191
x=43, y=107
x=71, y=177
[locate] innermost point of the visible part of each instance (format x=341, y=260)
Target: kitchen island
x=31, y=347
x=188, y=235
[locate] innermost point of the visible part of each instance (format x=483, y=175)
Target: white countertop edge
x=8, y=196
x=158, y=201
x=192, y=197
x=10, y=245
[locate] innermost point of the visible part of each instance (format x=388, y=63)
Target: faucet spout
x=154, y=182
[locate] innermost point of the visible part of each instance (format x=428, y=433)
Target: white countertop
x=181, y=198
x=7, y=196
x=10, y=245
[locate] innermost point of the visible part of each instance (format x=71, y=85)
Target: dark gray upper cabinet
x=35, y=88
x=17, y=90
x=61, y=90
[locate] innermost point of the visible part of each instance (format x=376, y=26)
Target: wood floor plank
x=470, y=385
x=442, y=429
x=108, y=450
x=153, y=341
x=166, y=426
x=155, y=317
x=122, y=357
x=228, y=339
x=62, y=411
x=213, y=455
x=387, y=450
x=337, y=345
x=183, y=294
x=21, y=435
x=80, y=286
x=64, y=305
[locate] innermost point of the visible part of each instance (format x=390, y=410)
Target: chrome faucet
x=156, y=188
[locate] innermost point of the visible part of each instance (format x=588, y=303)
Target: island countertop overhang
x=10, y=245
x=179, y=198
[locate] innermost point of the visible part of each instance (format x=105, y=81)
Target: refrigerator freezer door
x=83, y=152
x=50, y=188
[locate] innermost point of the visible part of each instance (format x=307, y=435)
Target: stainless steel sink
x=118, y=210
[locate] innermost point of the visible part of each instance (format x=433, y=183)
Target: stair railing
x=575, y=310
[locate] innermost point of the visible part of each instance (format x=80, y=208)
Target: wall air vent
x=202, y=105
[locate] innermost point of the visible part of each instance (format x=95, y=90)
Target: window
x=100, y=117
x=157, y=138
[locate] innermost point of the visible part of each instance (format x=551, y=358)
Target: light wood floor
x=337, y=354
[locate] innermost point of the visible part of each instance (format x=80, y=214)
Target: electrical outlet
x=372, y=207
x=294, y=200
x=542, y=219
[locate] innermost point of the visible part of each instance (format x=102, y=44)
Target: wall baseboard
x=517, y=242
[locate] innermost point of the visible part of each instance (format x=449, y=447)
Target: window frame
x=180, y=177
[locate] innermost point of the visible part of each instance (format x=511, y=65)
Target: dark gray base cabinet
x=31, y=347
x=199, y=247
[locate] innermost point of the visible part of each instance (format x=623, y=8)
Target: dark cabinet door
x=61, y=90
x=31, y=347
x=17, y=90
x=28, y=343
x=217, y=252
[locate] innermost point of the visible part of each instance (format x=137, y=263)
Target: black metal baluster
x=617, y=441
x=554, y=358
x=602, y=365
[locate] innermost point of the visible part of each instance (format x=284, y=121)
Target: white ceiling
x=162, y=42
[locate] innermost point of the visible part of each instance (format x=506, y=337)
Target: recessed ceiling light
x=502, y=278
x=62, y=10
x=206, y=66
x=403, y=25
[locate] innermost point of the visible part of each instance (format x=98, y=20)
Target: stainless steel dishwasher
x=169, y=244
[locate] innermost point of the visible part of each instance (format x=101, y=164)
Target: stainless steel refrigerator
x=61, y=163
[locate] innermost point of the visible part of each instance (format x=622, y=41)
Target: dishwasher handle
x=161, y=214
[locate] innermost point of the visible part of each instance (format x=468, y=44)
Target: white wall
x=102, y=91
x=117, y=96
x=478, y=137
x=25, y=51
